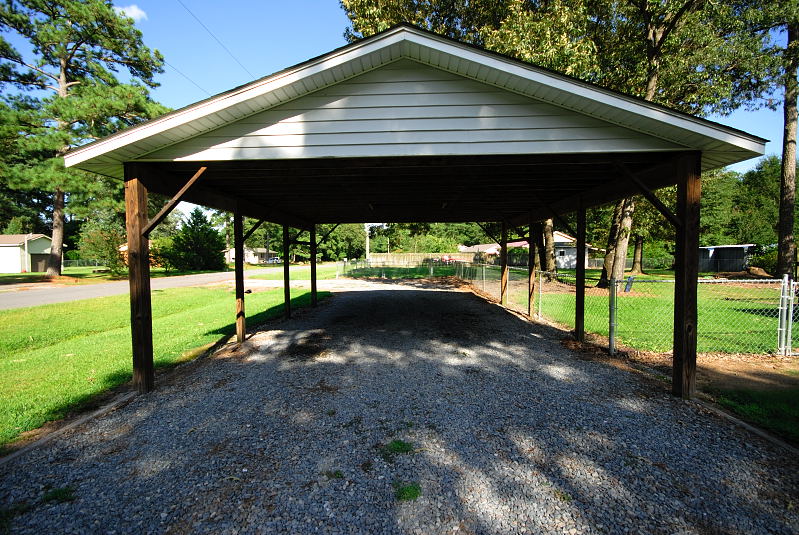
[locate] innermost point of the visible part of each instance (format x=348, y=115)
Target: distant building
x=254, y=255
x=717, y=258
x=24, y=253
x=565, y=249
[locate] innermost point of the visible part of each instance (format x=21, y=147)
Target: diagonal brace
x=253, y=229
x=173, y=202
x=650, y=196
x=556, y=216
x=487, y=232
x=329, y=232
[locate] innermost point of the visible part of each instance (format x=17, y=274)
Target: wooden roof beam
x=161, y=182
x=650, y=196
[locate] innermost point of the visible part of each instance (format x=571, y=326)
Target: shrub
x=766, y=260
x=101, y=238
x=196, y=246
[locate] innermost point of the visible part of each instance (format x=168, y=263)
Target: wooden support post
x=141, y=315
x=286, y=277
x=688, y=169
x=531, y=269
x=503, y=259
x=238, y=244
x=313, y=266
x=579, y=306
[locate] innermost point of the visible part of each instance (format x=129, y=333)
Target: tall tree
x=68, y=64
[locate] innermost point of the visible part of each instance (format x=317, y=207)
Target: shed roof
x=19, y=239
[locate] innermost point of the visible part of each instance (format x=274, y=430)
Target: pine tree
x=68, y=92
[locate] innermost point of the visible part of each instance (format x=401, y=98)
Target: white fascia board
x=226, y=100
x=592, y=93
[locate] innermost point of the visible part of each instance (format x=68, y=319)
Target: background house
x=252, y=255
x=22, y=253
x=565, y=251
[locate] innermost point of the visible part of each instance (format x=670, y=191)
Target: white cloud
x=133, y=11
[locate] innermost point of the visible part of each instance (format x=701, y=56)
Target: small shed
x=724, y=257
x=23, y=253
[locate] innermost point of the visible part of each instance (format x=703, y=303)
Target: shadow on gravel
x=320, y=425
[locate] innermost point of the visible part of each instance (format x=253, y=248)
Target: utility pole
x=366, y=227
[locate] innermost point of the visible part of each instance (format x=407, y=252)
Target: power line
x=216, y=39
x=187, y=78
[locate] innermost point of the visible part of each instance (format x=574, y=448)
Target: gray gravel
x=512, y=433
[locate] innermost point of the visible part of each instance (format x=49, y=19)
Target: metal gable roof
x=720, y=145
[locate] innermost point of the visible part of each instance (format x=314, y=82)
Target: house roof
x=19, y=239
x=720, y=145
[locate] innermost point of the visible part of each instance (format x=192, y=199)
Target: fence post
x=781, y=328
x=612, y=316
x=789, y=318
x=431, y=269
x=484, y=277
x=540, y=293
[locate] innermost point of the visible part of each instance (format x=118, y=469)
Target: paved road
x=11, y=297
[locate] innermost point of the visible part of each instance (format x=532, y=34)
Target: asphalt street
x=28, y=295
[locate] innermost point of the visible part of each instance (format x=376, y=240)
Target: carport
x=409, y=126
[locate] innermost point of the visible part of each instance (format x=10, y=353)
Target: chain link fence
x=394, y=269
x=81, y=263
x=734, y=316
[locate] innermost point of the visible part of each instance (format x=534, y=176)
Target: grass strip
x=775, y=410
x=323, y=271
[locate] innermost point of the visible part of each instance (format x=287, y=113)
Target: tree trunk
x=786, y=244
x=610, y=251
x=623, y=240
x=638, y=257
x=542, y=250
x=536, y=247
x=57, y=245
x=549, y=244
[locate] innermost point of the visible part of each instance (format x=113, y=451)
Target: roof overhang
x=431, y=184
x=718, y=144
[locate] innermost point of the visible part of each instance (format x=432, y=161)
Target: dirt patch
x=714, y=371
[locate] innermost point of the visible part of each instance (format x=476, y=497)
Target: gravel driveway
x=510, y=433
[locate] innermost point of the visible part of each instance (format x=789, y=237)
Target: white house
x=23, y=253
x=565, y=249
x=254, y=255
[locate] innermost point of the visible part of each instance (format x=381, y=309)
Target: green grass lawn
x=56, y=358
x=733, y=318
x=776, y=410
x=323, y=271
